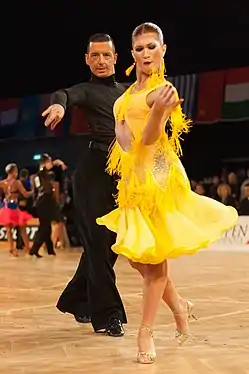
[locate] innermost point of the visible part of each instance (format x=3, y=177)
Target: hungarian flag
x=186, y=86
x=211, y=87
x=236, y=101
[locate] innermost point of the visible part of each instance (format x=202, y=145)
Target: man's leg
x=104, y=300
x=92, y=196
x=40, y=238
x=74, y=297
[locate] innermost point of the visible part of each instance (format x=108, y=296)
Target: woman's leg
x=12, y=249
x=56, y=228
x=25, y=238
x=155, y=278
x=175, y=302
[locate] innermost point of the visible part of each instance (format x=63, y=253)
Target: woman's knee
x=137, y=266
x=156, y=272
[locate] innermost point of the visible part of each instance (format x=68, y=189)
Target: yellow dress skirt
x=158, y=216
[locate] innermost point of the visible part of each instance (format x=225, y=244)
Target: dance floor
x=35, y=338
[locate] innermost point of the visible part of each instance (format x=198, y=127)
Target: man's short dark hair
x=24, y=173
x=45, y=158
x=100, y=38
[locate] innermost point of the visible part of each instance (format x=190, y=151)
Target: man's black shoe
x=115, y=328
x=82, y=319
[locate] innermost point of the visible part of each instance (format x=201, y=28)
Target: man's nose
x=101, y=59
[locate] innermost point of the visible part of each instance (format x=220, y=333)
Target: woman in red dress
x=10, y=214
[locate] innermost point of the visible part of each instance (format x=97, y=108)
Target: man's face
x=246, y=191
x=101, y=58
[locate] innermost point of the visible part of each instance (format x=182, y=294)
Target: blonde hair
x=224, y=185
x=148, y=27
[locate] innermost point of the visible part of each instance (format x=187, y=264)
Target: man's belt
x=98, y=146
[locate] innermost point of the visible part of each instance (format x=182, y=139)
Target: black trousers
x=19, y=240
x=93, y=291
x=46, y=212
x=43, y=235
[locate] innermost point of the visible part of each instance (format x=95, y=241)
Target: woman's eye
x=139, y=49
x=152, y=46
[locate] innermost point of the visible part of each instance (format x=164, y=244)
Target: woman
x=23, y=203
x=10, y=214
x=158, y=216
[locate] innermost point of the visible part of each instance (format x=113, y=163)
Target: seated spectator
x=233, y=183
x=199, y=189
x=213, y=188
x=225, y=195
x=244, y=204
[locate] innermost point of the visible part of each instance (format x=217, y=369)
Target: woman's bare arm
x=162, y=101
x=22, y=190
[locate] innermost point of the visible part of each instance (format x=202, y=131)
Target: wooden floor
x=35, y=338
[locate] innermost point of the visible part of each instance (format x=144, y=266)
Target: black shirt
x=96, y=98
x=44, y=182
x=244, y=207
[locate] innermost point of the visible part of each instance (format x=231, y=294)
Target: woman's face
x=224, y=192
x=148, y=52
x=15, y=173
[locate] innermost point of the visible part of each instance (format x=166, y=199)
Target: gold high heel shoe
x=146, y=357
x=181, y=337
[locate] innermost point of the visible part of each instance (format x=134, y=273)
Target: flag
x=29, y=116
x=186, y=86
x=6, y=104
x=211, y=87
x=236, y=101
x=79, y=123
x=44, y=102
x=8, y=117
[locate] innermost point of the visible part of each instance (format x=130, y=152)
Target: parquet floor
x=35, y=338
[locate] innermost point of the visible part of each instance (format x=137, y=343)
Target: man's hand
x=54, y=114
x=60, y=163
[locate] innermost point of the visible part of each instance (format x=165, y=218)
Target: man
x=46, y=207
x=92, y=294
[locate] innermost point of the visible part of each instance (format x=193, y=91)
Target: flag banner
x=7, y=104
x=211, y=87
x=79, y=123
x=186, y=86
x=8, y=117
x=44, y=102
x=29, y=116
x=236, y=101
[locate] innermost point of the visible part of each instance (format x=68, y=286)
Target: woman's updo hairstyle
x=10, y=168
x=148, y=27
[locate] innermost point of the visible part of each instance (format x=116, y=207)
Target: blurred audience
x=230, y=188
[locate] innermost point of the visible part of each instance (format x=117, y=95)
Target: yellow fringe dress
x=158, y=216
